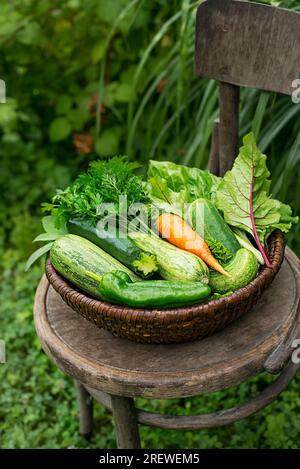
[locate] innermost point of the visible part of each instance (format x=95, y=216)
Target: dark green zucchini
x=204, y=217
x=117, y=244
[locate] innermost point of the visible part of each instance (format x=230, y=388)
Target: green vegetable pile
x=119, y=256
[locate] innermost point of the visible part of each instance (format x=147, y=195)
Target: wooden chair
x=239, y=44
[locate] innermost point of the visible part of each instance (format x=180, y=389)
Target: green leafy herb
x=104, y=182
x=244, y=197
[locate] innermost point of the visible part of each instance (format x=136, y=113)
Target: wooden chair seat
x=120, y=367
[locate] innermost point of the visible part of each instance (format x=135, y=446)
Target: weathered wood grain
x=85, y=404
x=120, y=367
x=213, y=162
x=126, y=425
x=213, y=419
x=248, y=44
x=100, y=396
x=229, y=96
x=222, y=417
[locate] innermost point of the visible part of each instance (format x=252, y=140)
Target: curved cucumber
x=242, y=269
x=72, y=256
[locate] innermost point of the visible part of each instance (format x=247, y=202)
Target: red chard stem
x=255, y=234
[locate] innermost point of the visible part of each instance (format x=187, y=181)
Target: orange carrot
x=178, y=232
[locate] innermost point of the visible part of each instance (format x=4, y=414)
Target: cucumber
x=72, y=256
x=117, y=244
x=205, y=218
x=173, y=263
x=242, y=269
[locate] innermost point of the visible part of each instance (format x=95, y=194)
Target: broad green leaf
x=159, y=188
x=285, y=222
x=36, y=255
x=249, y=178
x=123, y=93
x=242, y=238
x=197, y=182
x=164, y=198
x=50, y=226
x=60, y=129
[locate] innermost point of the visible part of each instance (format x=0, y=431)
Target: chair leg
x=213, y=162
x=126, y=426
x=85, y=404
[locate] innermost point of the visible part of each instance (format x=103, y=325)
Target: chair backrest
x=241, y=43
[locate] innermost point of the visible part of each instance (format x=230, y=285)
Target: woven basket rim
x=276, y=247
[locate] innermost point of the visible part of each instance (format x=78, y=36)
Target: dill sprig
x=103, y=182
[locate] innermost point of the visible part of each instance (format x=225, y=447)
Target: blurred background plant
x=88, y=79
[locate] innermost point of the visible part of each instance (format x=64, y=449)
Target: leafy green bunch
x=103, y=182
x=243, y=196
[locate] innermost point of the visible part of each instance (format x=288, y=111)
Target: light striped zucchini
x=72, y=256
x=173, y=263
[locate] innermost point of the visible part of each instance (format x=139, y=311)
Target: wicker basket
x=171, y=325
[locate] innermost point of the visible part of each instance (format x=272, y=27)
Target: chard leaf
x=285, y=222
x=244, y=196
